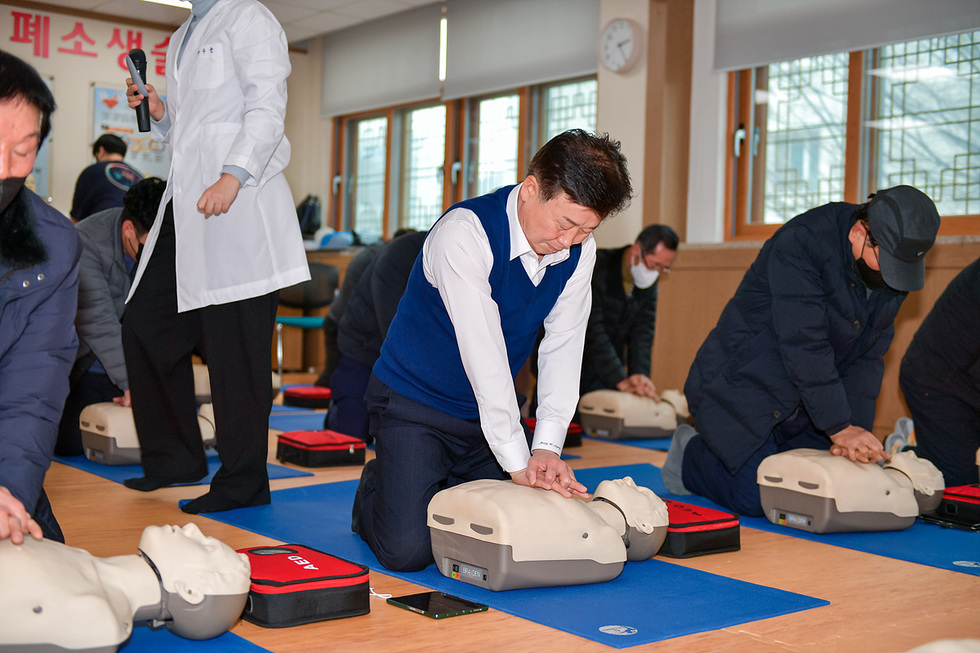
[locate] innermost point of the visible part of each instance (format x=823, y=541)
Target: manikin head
x=645, y=514
x=204, y=582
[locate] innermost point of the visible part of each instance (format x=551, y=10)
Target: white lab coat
x=227, y=104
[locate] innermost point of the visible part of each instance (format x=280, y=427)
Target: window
x=394, y=168
x=424, y=158
x=365, y=191
x=569, y=106
x=925, y=128
x=836, y=127
x=494, y=145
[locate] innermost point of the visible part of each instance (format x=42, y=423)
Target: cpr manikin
x=816, y=491
x=499, y=535
x=54, y=597
x=623, y=416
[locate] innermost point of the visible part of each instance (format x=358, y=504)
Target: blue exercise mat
x=650, y=601
x=120, y=473
x=145, y=640
x=925, y=544
x=660, y=444
x=297, y=421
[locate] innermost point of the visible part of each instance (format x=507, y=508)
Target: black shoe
x=367, y=478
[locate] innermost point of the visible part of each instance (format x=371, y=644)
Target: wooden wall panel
x=704, y=278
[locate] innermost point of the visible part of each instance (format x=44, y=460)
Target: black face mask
x=9, y=188
x=871, y=278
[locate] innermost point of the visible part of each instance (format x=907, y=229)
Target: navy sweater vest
x=420, y=357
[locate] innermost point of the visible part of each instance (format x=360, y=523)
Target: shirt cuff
x=513, y=456
x=550, y=436
x=241, y=174
x=162, y=123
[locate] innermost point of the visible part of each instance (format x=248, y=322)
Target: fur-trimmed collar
x=20, y=245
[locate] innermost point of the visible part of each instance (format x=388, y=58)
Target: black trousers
x=90, y=388
x=235, y=340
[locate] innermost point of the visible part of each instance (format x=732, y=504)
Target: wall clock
x=619, y=45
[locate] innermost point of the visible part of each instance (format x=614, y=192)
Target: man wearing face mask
x=624, y=313
x=796, y=359
x=38, y=291
x=112, y=241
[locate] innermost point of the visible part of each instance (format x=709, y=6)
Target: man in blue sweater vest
x=492, y=271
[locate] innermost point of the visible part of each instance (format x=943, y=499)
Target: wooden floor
x=876, y=603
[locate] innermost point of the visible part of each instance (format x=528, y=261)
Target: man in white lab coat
x=225, y=242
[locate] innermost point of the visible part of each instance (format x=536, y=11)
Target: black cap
x=904, y=221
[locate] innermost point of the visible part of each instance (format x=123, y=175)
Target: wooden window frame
x=738, y=172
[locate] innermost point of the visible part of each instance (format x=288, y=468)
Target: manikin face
x=553, y=225
x=187, y=557
x=20, y=127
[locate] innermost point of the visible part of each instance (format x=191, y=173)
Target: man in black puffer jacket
x=796, y=359
x=940, y=378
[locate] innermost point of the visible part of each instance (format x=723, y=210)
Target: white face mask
x=643, y=277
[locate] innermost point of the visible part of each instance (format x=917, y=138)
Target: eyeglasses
x=870, y=241
x=652, y=263
x=871, y=238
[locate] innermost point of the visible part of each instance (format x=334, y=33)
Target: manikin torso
x=56, y=595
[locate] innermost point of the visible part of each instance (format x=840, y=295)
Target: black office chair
x=318, y=292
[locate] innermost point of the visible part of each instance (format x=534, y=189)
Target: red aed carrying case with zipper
x=960, y=505
x=306, y=396
x=319, y=448
x=695, y=531
x=293, y=584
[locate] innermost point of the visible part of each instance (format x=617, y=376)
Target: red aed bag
x=959, y=507
x=306, y=396
x=695, y=531
x=319, y=448
x=293, y=584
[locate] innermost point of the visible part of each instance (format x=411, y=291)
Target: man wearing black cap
x=796, y=358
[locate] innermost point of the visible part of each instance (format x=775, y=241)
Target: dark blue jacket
x=800, y=332
x=39, y=251
x=372, y=305
x=944, y=355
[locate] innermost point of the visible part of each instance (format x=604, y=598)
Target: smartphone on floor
x=437, y=605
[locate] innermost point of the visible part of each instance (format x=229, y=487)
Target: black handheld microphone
x=136, y=60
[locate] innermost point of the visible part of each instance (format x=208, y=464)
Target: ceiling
x=301, y=19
